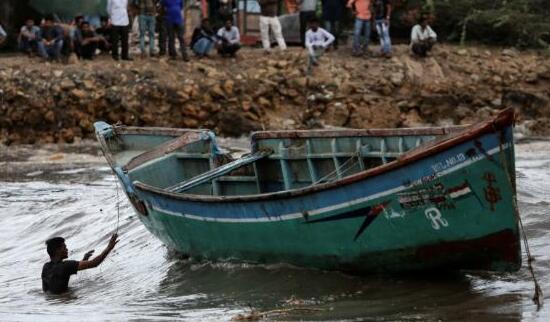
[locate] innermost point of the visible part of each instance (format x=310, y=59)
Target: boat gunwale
x=504, y=119
x=136, y=130
x=312, y=134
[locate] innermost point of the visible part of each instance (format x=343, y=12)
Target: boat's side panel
x=454, y=209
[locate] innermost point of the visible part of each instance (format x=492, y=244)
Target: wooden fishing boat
x=350, y=200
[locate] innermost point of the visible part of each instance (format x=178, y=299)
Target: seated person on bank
x=203, y=39
x=317, y=41
x=75, y=28
x=229, y=39
x=28, y=37
x=3, y=35
x=57, y=272
x=51, y=40
x=105, y=31
x=88, y=41
x=423, y=38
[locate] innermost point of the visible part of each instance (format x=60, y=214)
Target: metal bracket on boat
x=209, y=135
x=104, y=129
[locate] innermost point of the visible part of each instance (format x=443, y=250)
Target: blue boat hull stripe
x=344, y=205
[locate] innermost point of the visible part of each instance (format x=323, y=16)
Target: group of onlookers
x=51, y=40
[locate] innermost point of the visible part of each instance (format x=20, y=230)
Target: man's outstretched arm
x=86, y=264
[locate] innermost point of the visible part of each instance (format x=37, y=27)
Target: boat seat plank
x=219, y=172
x=163, y=149
x=236, y=179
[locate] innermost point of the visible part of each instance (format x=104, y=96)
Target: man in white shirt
x=307, y=12
x=3, y=35
x=317, y=40
x=229, y=39
x=422, y=37
x=28, y=37
x=118, y=11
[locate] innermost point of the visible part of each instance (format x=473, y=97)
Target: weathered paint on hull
x=454, y=210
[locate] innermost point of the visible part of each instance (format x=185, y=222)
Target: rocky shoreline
x=51, y=103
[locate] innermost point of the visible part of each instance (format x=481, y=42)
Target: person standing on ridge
x=332, y=16
x=175, y=27
x=57, y=272
x=147, y=19
x=120, y=21
x=361, y=9
x=382, y=14
x=269, y=20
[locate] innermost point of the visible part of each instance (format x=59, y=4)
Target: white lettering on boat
x=450, y=162
x=437, y=219
x=392, y=214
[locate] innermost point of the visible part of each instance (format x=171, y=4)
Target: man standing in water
x=56, y=273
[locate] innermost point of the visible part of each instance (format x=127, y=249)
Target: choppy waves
x=142, y=280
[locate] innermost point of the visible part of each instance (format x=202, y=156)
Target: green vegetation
x=520, y=23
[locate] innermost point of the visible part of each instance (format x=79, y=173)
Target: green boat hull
x=446, y=207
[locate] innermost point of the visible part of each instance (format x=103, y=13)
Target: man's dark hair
x=314, y=20
x=49, y=18
x=104, y=19
x=424, y=18
x=53, y=244
x=84, y=23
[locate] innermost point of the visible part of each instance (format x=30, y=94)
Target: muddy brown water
x=44, y=192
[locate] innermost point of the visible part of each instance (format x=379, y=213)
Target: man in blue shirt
x=175, y=27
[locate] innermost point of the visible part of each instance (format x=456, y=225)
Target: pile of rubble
x=59, y=103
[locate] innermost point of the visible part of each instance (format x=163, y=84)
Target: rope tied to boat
x=116, y=192
x=117, y=203
x=538, y=297
x=339, y=169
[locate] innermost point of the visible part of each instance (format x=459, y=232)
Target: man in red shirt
x=361, y=9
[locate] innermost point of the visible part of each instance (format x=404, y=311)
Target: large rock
x=375, y=116
x=234, y=123
x=530, y=105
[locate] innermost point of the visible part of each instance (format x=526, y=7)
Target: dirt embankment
x=59, y=103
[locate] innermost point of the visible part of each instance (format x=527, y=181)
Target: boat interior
x=277, y=161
